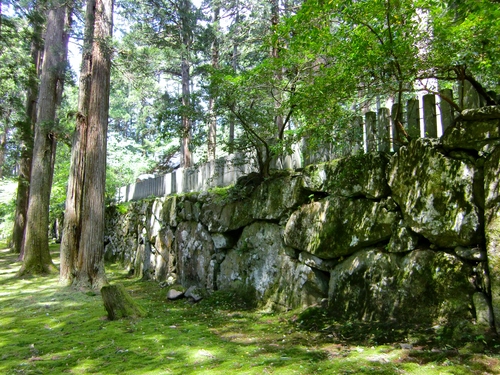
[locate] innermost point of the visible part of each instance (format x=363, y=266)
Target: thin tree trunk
x=212, y=121
x=90, y=267
x=26, y=136
x=275, y=17
x=186, y=80
x=70, y=242
x=186, y=121
x=235, y=68
x=36, y=242
x=3, y=143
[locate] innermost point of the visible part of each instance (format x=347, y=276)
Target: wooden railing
x=375, y=131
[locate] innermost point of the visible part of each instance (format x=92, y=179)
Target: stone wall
x=410, y=237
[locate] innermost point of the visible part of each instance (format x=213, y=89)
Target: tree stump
x=119, y=304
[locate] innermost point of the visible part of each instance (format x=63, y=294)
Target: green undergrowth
x=48, y=329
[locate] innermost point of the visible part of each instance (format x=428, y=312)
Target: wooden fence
x=427, y=117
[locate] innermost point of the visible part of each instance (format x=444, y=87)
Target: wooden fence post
x=396, y=136
x=357, y=124
x=446, y=108
x=413, y=118
x=468, y=96
x=430, y=120
x=370, y=128
x=383, y=133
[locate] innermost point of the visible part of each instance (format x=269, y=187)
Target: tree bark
x=37, y=258
x=212, y=121
x=3, y=143
x=70, y=242
x=186, y=38
x=26, y=136
x=278, y=76
x=234, y=63
x=119, y=304
x=90, y=263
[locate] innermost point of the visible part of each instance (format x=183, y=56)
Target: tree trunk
x=212, y=121
x=90, y=264
x=3, y=144
x=186, y=121
x=185, y=6
x=275, y=17
x=36, y=242
x=235, y=68
x=26, y=136
x=70, y=242
x=119, y=304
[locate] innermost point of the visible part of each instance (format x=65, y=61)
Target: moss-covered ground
x=48, y=329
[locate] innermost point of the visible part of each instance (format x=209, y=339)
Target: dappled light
x=47, y=328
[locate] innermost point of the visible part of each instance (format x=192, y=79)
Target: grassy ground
x=47, y=329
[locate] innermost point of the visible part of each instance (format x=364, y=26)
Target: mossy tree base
x=119, y=304
x=37, y=269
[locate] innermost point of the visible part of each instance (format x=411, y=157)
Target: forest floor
x=49, y=329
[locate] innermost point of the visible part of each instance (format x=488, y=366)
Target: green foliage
x=7, y=206
x=350, y=52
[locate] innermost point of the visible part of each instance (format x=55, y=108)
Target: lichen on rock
x=435, y=194
x=335, y=226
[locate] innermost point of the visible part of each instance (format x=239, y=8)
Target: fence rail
x=428, y=117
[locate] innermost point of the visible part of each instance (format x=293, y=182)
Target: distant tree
x=257, y=93
x=171, y=27
x=215, y=55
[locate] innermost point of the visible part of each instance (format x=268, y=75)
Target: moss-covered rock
x=403, y=239
x=195, y=250
x=255, y=259
x=492, y=226
x=223, y=217
x=352, y=176
x=169, y=211
x=424, y=287
x=297, y=285
x=335, y=226
x=435, y=194
x=475, y=129
x=259, y=261
x=277, y=197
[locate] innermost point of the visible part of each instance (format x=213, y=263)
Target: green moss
x=47, y=329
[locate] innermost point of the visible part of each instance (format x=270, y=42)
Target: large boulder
x=352, y=176
x=277, y=197
x=195, y=250
x=297, y=285
x=259, y=261
x=165, y=256
x=336, y=226
x=492, y=225
x=475, y=129
x=435, y=194
x=255, y=260
x=423, y=287
x=222, y=217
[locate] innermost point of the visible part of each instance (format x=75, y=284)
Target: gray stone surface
x=353, y=176
x=335, y=227
x=435, y=194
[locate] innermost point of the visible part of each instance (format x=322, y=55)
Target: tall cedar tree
x=72, y=216
x=90, y=271
x=36, y=242
x=25, y=129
